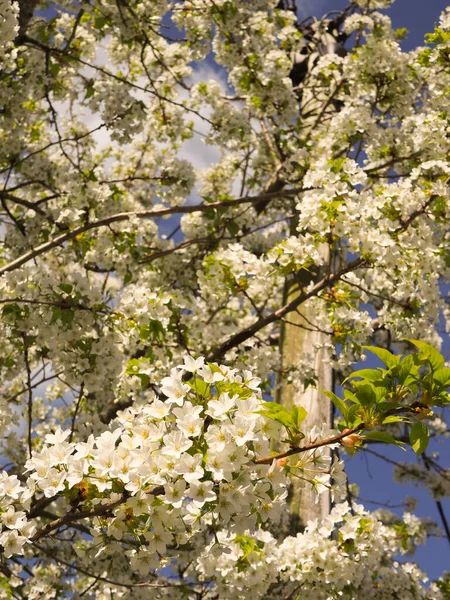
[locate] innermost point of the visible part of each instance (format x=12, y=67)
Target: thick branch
x=26, y=10
x=262, y=322
x=140, y=214
x=30, y=395
x=73, y=517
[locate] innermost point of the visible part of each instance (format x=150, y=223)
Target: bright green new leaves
x=340, y=404
x=389, y=359
x=429, y=354
x=442, y=377
x=201, y=387
x=370, y=374
x=404, y=391
x=249, y=547
x=291, y=419
x=134, y=367
x=382, y=436
x=419, y=437
x=366, y=395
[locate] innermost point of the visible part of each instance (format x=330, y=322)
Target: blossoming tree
x=180, y=181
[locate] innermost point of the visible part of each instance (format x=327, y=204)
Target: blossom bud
x=423, y=412
x=351, y=442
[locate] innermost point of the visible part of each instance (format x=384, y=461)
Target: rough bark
x=297, y=340
x=26, y=10
x=298, y=337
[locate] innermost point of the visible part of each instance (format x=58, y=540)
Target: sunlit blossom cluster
x=8, y=25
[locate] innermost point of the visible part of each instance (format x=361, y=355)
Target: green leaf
x=351, y=396
x=278, y=413
x=199, y=386
x=408, y=373
x=67, y=316
x=410, y=382
x=395, y=419
x=433, y=356
x=408, y=362
x=353, y=419
x=145, y=380
x=233, y=228
x=370, y=374
x=442, y=376
x=66, y=287
x=442, y=399
x=233, y=389
x=382, y=436
x=11, y=312
x=419, y=436
x=299, y=414
x=427, y=382
x=89, y=92
x=389, y=359
x=366, y=395
x=273, y=407
x=55, y=68
x=340, y=404
x=100, y=22
x=247, y=545
x=380, y=393
x=383, y=407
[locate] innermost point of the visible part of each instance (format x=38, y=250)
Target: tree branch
x=73, y=517
x=30, y=394
x=299, y=449
x=262, y=322
x=139, y=214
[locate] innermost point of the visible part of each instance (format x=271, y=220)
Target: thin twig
x=77, y=406
x=30, y=394
x=438, y=503
x=299, y=449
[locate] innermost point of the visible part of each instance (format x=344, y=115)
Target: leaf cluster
x=403, y=391
x=290, y=419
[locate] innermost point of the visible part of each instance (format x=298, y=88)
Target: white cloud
x=195, y=150
x=201, y=155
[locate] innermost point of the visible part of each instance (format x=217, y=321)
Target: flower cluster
x=321, y=561
x=172, y=467
x=9, y=27
x=15, y=527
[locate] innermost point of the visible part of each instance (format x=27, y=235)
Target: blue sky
x=418, y=16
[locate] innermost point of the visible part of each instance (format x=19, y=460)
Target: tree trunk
x=297, y=342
